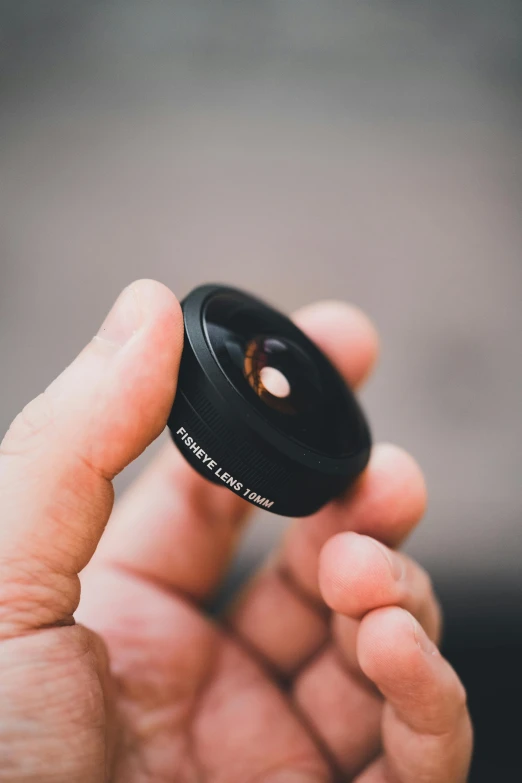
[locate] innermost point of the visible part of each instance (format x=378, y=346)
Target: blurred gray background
x=300, y=149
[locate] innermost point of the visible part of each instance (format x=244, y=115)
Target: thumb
x=61, y=453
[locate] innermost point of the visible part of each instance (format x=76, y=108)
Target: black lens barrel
x=228, y=435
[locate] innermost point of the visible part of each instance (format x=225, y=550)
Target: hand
x=325, y=667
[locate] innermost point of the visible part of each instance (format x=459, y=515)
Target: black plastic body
x=231, y=442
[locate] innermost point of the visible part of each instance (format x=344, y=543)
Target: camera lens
x=260, y=409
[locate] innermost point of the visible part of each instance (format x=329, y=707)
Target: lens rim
x=239, y=412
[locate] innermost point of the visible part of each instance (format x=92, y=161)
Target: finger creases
x=58, y=457
x=343, y=713
x=358, y=574
x=426, y=727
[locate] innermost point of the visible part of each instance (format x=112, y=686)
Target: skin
x=324, y=669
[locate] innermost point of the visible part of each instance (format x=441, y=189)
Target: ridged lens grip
x=229, y=443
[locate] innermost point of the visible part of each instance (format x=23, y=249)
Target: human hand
x=319, y=672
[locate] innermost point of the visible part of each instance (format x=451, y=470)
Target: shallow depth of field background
x=301, y=149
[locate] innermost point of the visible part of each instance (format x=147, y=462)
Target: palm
x=195, y=705
x=192, y=704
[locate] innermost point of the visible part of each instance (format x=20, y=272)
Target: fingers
x=343, y=712
x=388, y=501
x=178, y=529
x=426, y=727
x=358, y=574
x=343, y=708
x=57, y=460
x=243, y=727
x=345, y=334
x=277, y=623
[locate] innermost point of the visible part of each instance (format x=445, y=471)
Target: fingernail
x=421, y=638
x=124, y=319
x=395, y=563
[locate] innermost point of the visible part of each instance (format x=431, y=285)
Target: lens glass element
x=281, y=374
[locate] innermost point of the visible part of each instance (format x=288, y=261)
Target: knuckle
x=33, y=596
x=50, y=687
x=26, y=428
x=74, y=647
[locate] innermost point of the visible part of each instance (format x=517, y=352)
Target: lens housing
x=260, y=409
